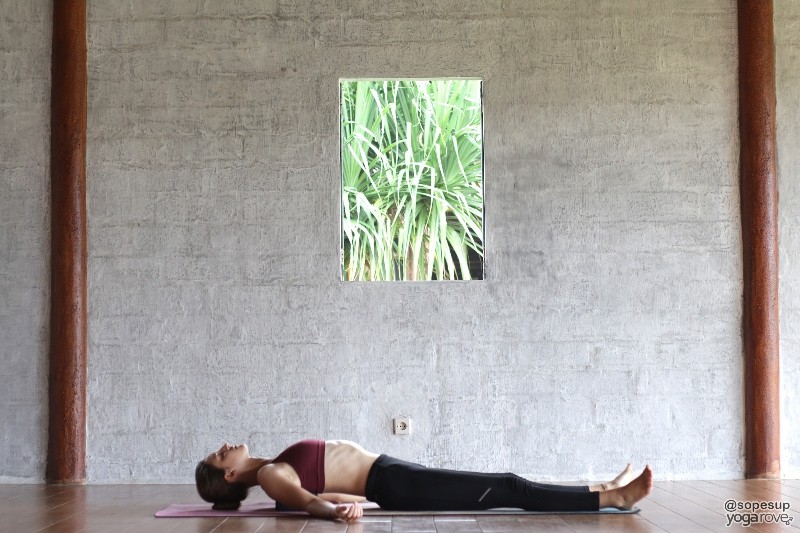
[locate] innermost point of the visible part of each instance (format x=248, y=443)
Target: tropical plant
x=412, y=179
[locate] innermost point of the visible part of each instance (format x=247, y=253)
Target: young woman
x=328, y=479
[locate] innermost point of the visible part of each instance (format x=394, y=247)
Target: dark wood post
x=66, y=452
x=759, y=200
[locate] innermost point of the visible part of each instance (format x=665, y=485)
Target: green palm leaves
x=412, y=180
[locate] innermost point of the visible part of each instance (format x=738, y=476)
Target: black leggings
x=401, y=486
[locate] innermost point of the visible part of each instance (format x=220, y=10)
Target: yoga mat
x=197, y=510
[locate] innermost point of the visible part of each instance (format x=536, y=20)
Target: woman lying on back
x=328, y=479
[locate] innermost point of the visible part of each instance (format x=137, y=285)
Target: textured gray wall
x=25, y=28
x=608, y=329
x=787, y=37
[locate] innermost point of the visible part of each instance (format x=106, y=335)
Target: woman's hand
x=347, y=512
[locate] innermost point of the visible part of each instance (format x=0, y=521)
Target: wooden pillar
x=759, y=206
x=66, y=453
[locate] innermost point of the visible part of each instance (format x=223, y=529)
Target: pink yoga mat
x=267, y=508
x=187, y=510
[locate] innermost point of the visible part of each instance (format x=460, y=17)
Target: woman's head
x=215, y=477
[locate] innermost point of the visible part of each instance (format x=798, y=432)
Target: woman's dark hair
x=212, y=487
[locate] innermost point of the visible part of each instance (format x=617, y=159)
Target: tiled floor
x=685, y=506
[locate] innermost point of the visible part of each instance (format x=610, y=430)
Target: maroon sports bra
x=307, y=457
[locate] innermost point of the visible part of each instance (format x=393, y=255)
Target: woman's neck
x=248, y=472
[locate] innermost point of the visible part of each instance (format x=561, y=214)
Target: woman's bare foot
x=625, y=477
x=625, y=497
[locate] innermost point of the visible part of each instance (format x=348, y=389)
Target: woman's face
x=228, y=457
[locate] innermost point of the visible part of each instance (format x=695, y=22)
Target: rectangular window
x=412, y=179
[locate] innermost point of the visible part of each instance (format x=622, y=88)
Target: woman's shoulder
x=281, y=469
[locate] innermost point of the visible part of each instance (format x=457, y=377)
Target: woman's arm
x=280, y=486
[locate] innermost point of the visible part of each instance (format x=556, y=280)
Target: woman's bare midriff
x=347, y=465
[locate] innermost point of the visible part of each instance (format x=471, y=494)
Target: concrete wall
x=787, y=37
x=608, y=328
x=25, y=31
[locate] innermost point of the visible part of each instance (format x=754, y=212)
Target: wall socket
x=401, y=425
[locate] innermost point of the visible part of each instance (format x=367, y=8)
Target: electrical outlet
x=401, y=425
